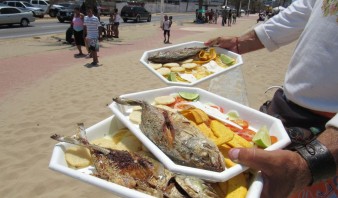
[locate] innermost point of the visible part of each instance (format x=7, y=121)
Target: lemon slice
x=189, y=95
x=262, y=137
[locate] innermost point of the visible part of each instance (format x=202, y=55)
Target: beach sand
x=45, y=90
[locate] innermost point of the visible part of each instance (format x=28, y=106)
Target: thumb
x=257, y=159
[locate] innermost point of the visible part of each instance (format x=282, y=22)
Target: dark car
x=66, y=13
x=135, y=13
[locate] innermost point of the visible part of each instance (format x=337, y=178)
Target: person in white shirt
x=91, y=30
x=117, y=19
x=166, y=29
x=307, y=104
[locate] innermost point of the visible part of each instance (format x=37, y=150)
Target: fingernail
x=233, y=154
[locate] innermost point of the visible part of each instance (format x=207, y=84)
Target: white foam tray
x=101, y=129
x=255, y=118
x=146, y=54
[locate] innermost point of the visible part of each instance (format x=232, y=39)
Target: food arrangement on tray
x=120, y=158
x=184, y=141
x=189, y=63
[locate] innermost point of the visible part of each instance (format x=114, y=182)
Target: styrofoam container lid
x=146, y=54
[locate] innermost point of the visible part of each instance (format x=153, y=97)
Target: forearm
x=330, y=139
x=249, y=42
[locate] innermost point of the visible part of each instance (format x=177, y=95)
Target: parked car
x=24, y=6
x=103, y=10
x=67, y=12
x=52, y=10
x=11, y=15
x=136, y=13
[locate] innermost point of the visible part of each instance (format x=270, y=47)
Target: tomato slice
x=178, y=99
x=218, y=108
x=246, y=134
x=274, y=139
x=244, y=124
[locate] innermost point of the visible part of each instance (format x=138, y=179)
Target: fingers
x=257, y=159
x=213, y=42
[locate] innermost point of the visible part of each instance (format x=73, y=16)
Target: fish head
x=195, y=187
x=206, y=155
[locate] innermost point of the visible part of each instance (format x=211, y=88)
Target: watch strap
x=319, y=159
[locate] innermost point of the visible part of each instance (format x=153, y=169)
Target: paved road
x=52, y=26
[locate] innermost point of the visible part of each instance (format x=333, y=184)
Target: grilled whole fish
x=177, y=137
x=139, y=172
x=175, y=55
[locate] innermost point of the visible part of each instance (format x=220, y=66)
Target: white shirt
x=166, y=25
x=92, y=24
x=311, y=80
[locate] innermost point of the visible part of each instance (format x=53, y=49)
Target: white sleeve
x=333, y=122
x=286, y=26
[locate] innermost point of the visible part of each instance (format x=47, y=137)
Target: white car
x=37, y=12
x=11, y=15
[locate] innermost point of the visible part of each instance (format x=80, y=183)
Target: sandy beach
x=45, y=90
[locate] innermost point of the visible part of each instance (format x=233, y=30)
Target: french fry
x=239, y=142
x=223, y=133
x=224, y=149
x=237, y=187
x=206, y=131
x=202, y=114
x=197, y=117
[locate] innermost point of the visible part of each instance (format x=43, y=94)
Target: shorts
x=166, y=32
x=92, y=44
x=116, y=23
x=78, y=36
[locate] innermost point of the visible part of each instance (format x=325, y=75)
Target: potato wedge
x=206, y=131
x=164, y=100
x=239, y=142
x=237, y=187
x=135, y=117
x=223, y=133
x=78, y=157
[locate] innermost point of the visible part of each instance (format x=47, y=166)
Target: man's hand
x=228, y=43
x=283, y=171
x=246, y=43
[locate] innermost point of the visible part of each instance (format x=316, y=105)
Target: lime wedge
x=226, y=59
x=172, y=77
x=233, y=115
x=189, y=95
x=262, y=137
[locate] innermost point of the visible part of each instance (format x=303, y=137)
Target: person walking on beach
x=307, y=104
x=117, y=19
x=224, y=17
x=91, y=29
x=110, y=26
x=234, y=16
x=166, y=30
x=216, y=16
x=230, y=17
x=77, y=24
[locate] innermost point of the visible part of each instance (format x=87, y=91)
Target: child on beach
x=166, y=29
x=91, y=29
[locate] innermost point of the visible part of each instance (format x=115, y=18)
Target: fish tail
x=125, y=101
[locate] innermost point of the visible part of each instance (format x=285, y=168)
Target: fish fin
x=168, y=129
